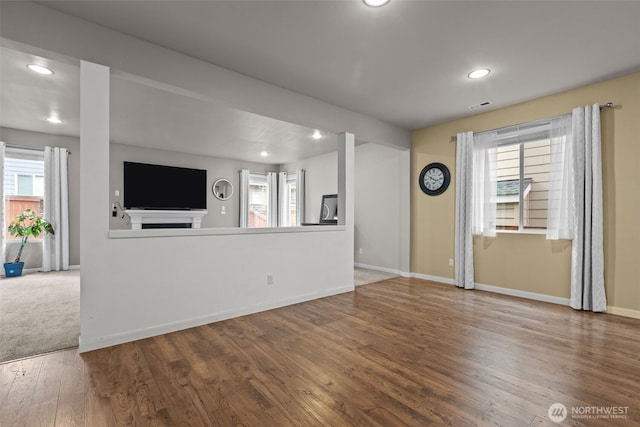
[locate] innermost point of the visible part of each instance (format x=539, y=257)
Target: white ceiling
x=154, y=118
x=149, y=117
x=404, y=63
x=28, y=98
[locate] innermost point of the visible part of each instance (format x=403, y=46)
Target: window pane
x=38, y=186
x=508, y=192
x=291, y=188
x=537, y=158
x=258, y=203
x=25, y=185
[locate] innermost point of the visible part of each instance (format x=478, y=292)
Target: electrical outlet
x=269, y=279
x=360, y=251
x=450, y=262
x=117, y=193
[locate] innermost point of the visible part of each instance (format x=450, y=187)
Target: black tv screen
x=164, y=187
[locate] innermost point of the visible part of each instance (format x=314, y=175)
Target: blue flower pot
x=13, y=269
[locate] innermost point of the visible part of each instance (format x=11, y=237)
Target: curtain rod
x=24, y=147
x=605, y=106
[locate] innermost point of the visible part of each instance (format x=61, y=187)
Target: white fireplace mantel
x=142, y=216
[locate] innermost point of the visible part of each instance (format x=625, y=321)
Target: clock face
x=434, y=179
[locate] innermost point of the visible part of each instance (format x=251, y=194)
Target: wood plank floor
x=398, y=352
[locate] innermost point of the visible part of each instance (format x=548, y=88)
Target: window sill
x=539, y=232
x=188, y=232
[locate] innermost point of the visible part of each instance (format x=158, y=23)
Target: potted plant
x=27, y=224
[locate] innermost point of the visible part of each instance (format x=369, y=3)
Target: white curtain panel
x=587, y=255
x=55, y=253
x=283, y=200
x=3, y=233
x=272, y=210
x=561, y=208
x=300, y=196
x=464, y=211
x=244, y=198
x=485, y=183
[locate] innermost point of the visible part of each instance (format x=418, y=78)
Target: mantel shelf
x=143, y=216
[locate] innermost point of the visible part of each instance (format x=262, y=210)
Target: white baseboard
x=619, y=311
x=626, y=312
x=137, y=334
x=523, y=294
x=382, y=269
x=444, y=280
x=498, y=290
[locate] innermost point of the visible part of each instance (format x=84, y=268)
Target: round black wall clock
x=434, y=179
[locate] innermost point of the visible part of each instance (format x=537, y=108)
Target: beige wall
x=529, y=262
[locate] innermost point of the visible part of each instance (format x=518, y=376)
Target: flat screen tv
x=160, y=187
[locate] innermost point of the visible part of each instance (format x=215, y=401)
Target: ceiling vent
x=482, y=104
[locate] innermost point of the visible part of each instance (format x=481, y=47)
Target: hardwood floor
x=398, y=352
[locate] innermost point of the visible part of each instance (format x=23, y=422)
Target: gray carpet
x=39, y=313
x=363, y=276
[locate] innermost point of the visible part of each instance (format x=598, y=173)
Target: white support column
x=94, y=180
x=346, y=192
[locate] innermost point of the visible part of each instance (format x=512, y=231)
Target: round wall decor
x=434, y=179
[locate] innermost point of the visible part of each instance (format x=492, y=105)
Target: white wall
x=134, y=285
x=33, y=251
x=382, y=202
x=321, y=178
x=216, y=168
x=382, y=212
x=147, y=286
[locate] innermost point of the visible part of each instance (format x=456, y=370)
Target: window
x=292, y=201
x=271, y=199
x=30, y=185
x=523, y=185
x=258, y=201
x=23, y=182
x=291, y=198
x=515, y=167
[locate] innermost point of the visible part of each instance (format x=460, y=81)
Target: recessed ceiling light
x=54, y=120
x=264, y=154
x=316, y=134
x=479, y=73
x=39, y=69
x=376, y=3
